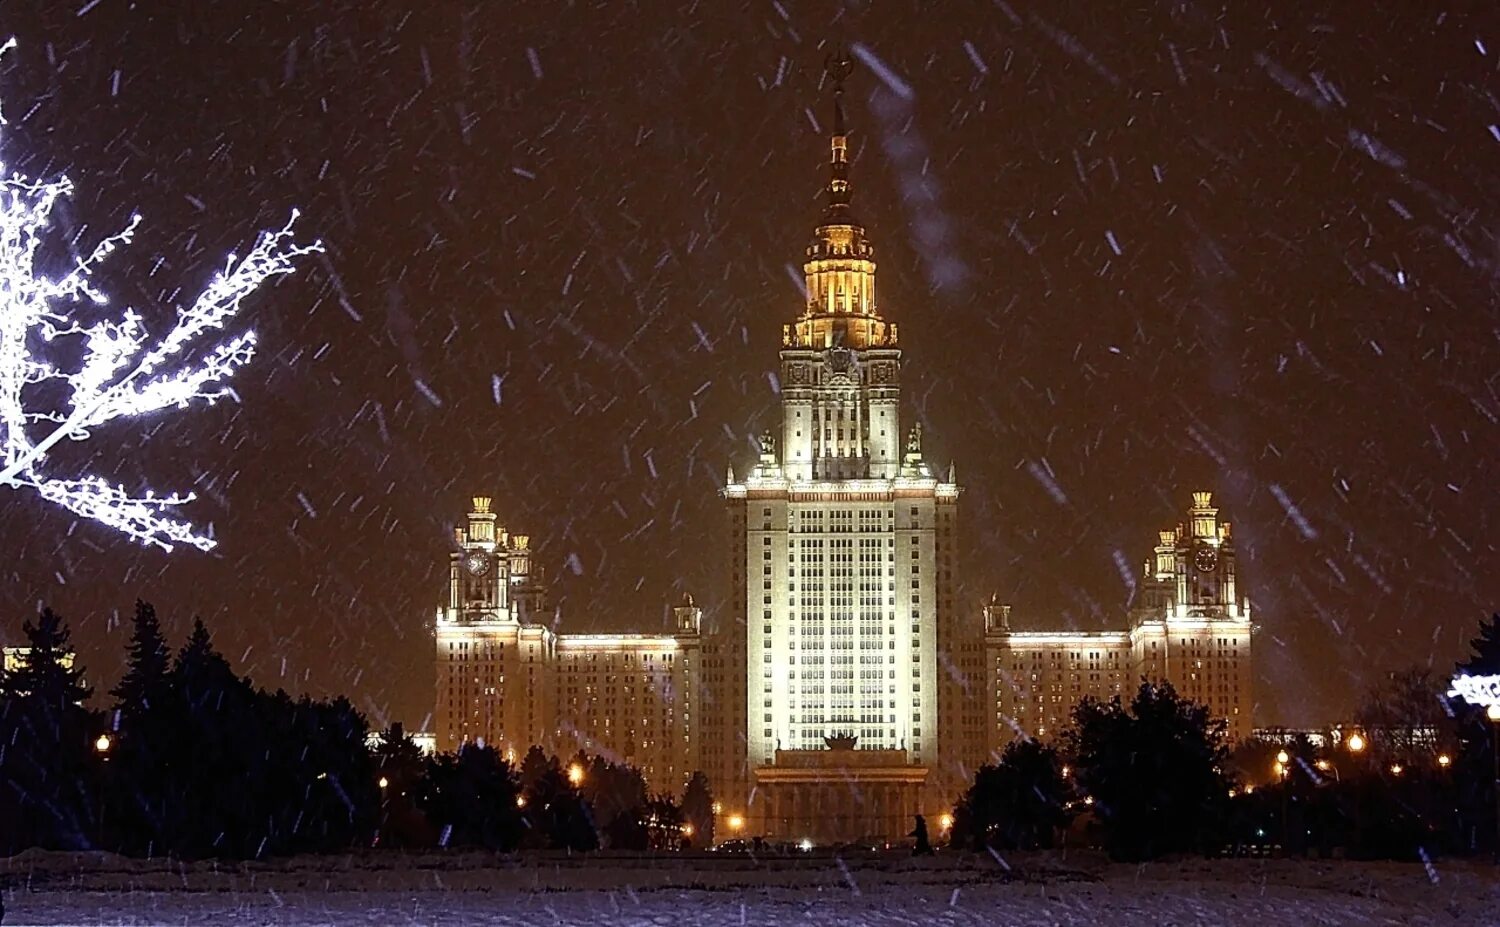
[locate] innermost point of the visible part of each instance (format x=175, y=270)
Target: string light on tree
x=1483, y=691
x=122, y=372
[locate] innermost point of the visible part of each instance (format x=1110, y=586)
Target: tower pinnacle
x=840, y=264
x=838, y=67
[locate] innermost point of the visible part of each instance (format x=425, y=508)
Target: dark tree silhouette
x=400, y=768
x=1476, y=769
x=1485, y=659
x=534, y=765
x=150, y=660
x=48, y=674
x=611, y=789
x=665, y=824
x=556, y=814
x=1019, y=804
x=1155, y=772
x=698, y=808
x=50, y=771
x=1404, y=717
x=471, y=798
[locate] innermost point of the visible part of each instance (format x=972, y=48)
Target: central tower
x=843, y=544
x=840, y=364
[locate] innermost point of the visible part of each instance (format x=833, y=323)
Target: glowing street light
x=1444, y=760
x=736, y=822
x=1356, y=743
x=575, y=774
x=102, y=745
x=1323, y=765
x=946, y=823
x=384, y=783
x=520, y=801
x=1396, y=769
x=687, y=830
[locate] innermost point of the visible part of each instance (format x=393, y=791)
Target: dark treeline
x=191, y=760
x=1153, y=775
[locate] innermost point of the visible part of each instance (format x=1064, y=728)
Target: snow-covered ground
x=394, y=889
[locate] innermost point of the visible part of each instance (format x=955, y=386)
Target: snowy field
x=48, y=888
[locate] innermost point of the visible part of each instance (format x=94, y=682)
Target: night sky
x=1132, y=252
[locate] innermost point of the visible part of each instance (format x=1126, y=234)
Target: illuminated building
x=507, y=678
x=13, y=659
x=1189, y=628
x=849, y=715
x=844, y=689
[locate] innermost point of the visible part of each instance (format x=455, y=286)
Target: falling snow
x=1132, y=252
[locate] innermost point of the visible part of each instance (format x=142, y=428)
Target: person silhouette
x=923, y=846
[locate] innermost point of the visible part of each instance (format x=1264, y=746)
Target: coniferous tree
x=400, y=768
x=1485, y=659
x=1474, y=771
x=698, y=809
x=48, y=672
x=50, y=769
x=150, y=660
x=211, y=769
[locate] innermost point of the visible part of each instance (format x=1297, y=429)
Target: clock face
x=477, y=563
x=1206, y=559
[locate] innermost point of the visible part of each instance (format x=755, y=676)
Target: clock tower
x=853, y=706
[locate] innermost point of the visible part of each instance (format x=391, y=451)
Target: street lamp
x=736, y=822
x=1357, y=746
x=1282, y=759
x=102, y=745
x=1444, y=760
x=946, y=823
x=384, y=783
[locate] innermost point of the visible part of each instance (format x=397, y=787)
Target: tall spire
x=838, y=67
x=840, y=265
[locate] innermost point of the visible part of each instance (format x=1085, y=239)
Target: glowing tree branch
x=123, y=372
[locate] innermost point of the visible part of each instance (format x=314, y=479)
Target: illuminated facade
x=1190, y=628
x=13, y=659
x=844, y=689
x=507, y=678
x=849, y=646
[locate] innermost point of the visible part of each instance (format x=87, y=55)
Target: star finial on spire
x=838, y=67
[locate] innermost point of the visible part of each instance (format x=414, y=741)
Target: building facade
x=507, y=678
x=842, y=538
x=1190, y=627
x=844, y=688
